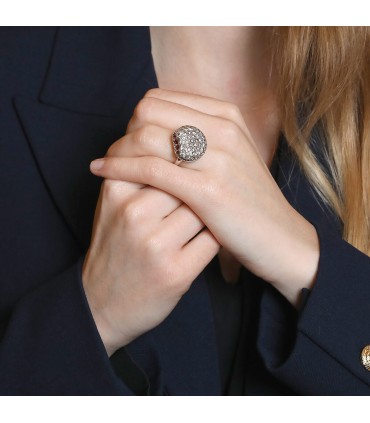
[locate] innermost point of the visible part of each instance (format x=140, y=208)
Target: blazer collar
x=99, y=70
x=95, y=78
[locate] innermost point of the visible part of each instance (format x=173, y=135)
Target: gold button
x=365, y=357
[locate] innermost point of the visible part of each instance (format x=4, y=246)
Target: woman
x=144, y=307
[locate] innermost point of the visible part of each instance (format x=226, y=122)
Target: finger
x=181, y=226
x=156, y=141
x=198, y=253
x=165, y=114
x=152, y=204
x=118, y=192
x=201, y=103
x=150, y=140
x=183, y=183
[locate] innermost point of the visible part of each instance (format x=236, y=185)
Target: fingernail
x=97, y=164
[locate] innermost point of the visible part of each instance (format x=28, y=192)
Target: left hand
x=230, y=188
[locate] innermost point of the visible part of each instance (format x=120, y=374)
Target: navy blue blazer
x=65, y=96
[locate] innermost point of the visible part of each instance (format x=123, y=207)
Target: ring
x=189, y=144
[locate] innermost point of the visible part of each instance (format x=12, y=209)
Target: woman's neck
x=228, y=63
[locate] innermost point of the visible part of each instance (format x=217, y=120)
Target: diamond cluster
x=189, y=143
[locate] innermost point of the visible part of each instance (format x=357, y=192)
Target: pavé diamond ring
x=189, y=144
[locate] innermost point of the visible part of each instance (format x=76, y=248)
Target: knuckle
x=143, y=135
x=131, y=124
x=230, y=130
x=112, y=190
x=111, y=150
x=153, y=92
x=132, y=213
x=232, y=112
x=115, y=148
x=153, y=247
x=143, y=108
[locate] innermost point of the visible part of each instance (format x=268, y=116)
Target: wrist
x=103, y=327
x=300, y=262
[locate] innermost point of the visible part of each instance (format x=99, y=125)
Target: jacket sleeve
x=50, y=344
x=317, y=351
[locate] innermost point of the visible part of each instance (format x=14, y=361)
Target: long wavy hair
x=323, y=76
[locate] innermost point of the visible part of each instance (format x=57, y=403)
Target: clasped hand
x=171, y=220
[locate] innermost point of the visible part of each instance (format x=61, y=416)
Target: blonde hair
x=323, y=76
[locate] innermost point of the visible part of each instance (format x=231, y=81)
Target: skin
x=157, y=225
x=232, y=64
x=229, y=63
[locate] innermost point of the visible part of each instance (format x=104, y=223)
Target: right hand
x=146, y=249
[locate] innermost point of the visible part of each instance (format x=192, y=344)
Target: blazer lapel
x=95, y=78
x=63, y=144
x=99, y=70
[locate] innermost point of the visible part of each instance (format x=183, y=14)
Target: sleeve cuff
x=52, y=347
x=317, y=350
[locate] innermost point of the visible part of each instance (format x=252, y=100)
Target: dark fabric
x=227, y=302
x=126, y=369
x=65, y=96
